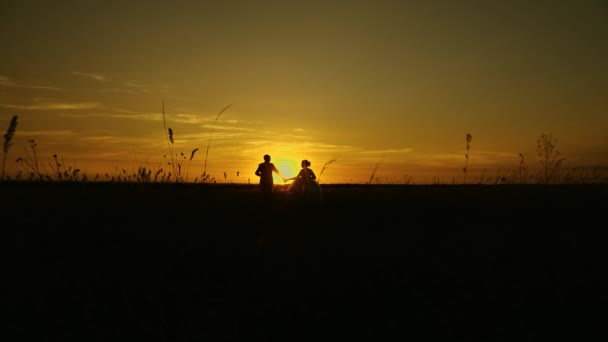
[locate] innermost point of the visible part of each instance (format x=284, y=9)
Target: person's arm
x=294, y=177
x=312, y=174
x=274, y=168
x=258, y=171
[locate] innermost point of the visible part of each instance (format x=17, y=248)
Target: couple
x=304, y=181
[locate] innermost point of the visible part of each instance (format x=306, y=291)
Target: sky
x=368, y=91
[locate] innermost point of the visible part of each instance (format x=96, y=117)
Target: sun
x=288, y=168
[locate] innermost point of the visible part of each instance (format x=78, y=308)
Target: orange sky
x=386, y=87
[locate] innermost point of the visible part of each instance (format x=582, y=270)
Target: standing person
x=305, y=180
x=264, y=171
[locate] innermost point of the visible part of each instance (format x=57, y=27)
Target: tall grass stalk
x=63, y=173
x=30, y=163
x=522, y=169
x=189, y=161
x=371, y=177
x=466, y=157
x=549, y=156
x=323, y=169
x=169, y=135
x=8, y=137
x=319, y=178
x=210, y=136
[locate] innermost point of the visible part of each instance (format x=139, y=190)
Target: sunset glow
x=289, y=168
x=385, y=88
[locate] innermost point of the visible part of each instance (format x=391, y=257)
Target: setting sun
x=288, y=168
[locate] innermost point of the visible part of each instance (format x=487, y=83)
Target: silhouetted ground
x=170, y=262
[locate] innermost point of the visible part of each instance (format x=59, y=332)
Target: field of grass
x=183, y=262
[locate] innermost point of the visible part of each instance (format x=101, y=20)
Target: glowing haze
x=389, y=87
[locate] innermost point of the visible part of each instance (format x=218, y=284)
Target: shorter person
x=305, y=181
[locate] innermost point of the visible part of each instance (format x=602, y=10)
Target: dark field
x=171, y=262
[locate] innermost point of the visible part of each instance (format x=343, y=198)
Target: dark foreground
x=109, y=262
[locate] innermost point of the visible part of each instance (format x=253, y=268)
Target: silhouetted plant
x=522, y=169
x=205, y=176
x=143, y=175
x=62, y=173
x=323, y=169
x=437, y=181
x=371, y=177
x=29, y=164
x=593, y=176
x=407, y=179
x=176, y=162
x=189, y=161
x=8, y=137
x=157, y=173
x=549, y=156
x=170, y=141
x=466, y=156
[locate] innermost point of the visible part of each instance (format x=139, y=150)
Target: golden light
x=288, y=168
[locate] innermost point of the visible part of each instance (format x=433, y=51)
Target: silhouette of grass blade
x=10, y=132
x=323, y=169
x=193, y=152
x=210, y=136
x=371, y=178
x=8, y=137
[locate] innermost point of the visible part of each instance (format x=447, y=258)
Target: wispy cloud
x=104, y=112
x=129, y=87
x=230, y=128
x=118, y=90
x=137, y=86
x=53, y=106
x=93, y=76
x=389, y=151
x=47, y=133
x=104, y=138
x=7, y=82
x=479, y=158
x=138, y=116
x=205, y=136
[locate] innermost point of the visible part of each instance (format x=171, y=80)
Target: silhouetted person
x=305, y=180
x=264, y=171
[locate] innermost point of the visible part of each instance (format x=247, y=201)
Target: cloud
x=230, y=128
x=128, y=87
x=137, y=86
x=7, y=82
x=104, y=138
x=134, y=84
x=53, y=106
x=389, y=151
x=479, y=158
x=121, y=140
x=139, y=116
x=93, y=76
x=118, y=90
x=47, y=133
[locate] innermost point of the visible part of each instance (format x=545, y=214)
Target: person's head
x=305, y=163
x=266, y=158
